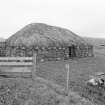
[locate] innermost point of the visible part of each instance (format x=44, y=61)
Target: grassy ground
x=40, y=92
x=80, y=69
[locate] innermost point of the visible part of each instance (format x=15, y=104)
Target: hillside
x=95, y=41
x=98, y=43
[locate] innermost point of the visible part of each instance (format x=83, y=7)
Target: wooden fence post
x=67, y=84
x=34, y=66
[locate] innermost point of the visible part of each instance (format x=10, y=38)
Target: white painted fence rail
x=16, y=61
x=15, y=58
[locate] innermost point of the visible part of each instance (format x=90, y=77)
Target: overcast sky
x=84, y=17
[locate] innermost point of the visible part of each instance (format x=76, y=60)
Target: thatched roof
x=39, y=34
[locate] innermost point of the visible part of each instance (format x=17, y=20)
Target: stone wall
x=53, y=54
x=49, y=53
x=84, y=51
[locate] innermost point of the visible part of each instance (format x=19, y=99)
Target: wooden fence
x=17, y=63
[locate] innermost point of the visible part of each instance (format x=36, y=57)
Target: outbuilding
x=49, y=42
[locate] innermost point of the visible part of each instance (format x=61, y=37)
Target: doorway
x=72, y=51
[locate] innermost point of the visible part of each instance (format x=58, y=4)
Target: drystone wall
x=48, y=53
x=84, y=51
x=53, y=54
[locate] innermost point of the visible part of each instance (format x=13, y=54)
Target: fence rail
x=15, y=58
x=16, y=61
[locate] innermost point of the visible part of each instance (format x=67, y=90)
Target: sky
x=84, y=17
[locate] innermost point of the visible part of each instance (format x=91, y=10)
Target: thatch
x=38, y=34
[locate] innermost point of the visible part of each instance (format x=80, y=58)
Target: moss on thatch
x=38, y=34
